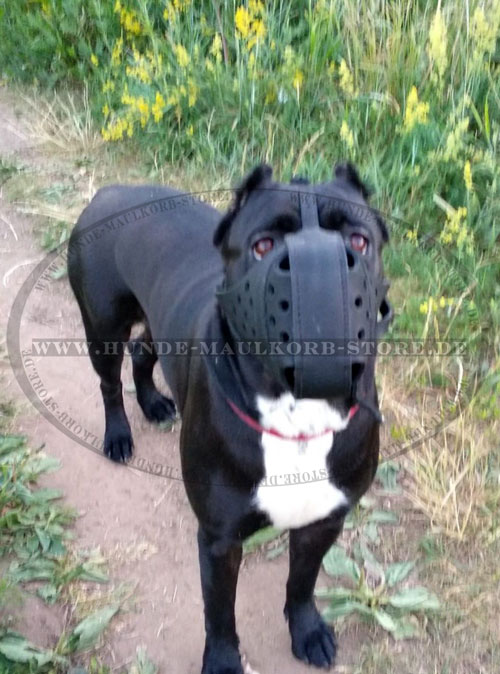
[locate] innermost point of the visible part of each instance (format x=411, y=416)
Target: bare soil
x=142, y=523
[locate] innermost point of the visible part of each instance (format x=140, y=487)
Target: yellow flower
x=412, y=235
x=144, y=111
x=158, y=107
x=346, y=135
x=468, y=176
x=216, y=48
x=455, y=229
x=346, y=79
x=175, y=7
x=270, y=94
x=174, y=98
x=182, y=56
x=424, y=308
x=129, y=20
x=289, y=55
x=209, y=65
x=242, y=21
x=105, y=109
x=116, y=54
x=190, y=130
x=192, y=93
x=442, y=302
x=256, y=6
x=298, y=79
x=484, y=31
x=455, y=141
x=108, y=85
x=94, y=60
x=116, y=128
x=416, y=112
x=437, y=45
x=258, y=29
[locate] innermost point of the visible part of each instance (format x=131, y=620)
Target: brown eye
x=359, y=243
x=262, y=247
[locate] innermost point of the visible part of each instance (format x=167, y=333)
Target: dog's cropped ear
x=382, y=226
x=254, y=180
x=348, y=173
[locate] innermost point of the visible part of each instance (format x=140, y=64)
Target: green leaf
x=415, y=599
x=142, y=665
x=397, y=572
x=90, y=572
x=333, y=593
x=385, y=620
x=404, y=628
x=383, y=517
x=16, y=648
x=260, y=538
x=343, y=608
x=48, y=593
x=337, y=563
x=387, y=473
x=34, y=569
x=370, y=530
x=44, y=495
x=44, y=538
x=86, y=633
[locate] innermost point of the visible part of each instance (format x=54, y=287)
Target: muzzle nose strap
x=308, y=210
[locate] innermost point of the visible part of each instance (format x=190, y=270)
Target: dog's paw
x=312, y=640
x=118, y=444
x=223, y=659
x=158, y=408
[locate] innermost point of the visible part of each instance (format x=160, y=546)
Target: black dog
x=253, y=453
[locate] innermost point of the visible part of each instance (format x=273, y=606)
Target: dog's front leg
x=219, y=575
x=312, y=640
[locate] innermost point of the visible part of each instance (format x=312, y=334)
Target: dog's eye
x=359, y=243
x=262, y=247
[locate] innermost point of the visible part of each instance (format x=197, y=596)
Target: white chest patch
x=295, y=490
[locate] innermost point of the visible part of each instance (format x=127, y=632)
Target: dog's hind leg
x=156, y=407
x=312, y=640
x=106, y=345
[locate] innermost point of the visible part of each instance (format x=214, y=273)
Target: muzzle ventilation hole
x=285, y=263
x=350, y=259
x=284, y=306
x=361, y=334
x=358, y=301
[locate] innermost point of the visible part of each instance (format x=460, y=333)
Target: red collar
x=301, y=437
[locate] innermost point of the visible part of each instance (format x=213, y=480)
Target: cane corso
x=275, y=301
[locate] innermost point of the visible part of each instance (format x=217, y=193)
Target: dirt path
x=142, y=523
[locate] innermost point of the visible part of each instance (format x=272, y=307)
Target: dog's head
x=304, y=262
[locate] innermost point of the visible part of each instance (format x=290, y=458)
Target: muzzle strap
x=308, y=210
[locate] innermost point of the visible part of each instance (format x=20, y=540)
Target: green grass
x=302, y=85
x=36, y=552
